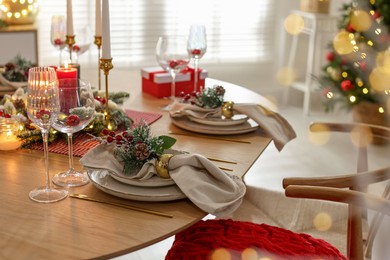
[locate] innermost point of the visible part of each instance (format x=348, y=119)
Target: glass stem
x=196, y=66
x=45, y=139
x=70, y=152
x=173, y=85
x=59, y=65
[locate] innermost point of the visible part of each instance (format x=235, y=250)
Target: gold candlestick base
x=98, y=42
x=106, y=65
x=70, y=41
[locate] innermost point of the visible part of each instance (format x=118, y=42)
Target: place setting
x=206, y=112
x=138, y=166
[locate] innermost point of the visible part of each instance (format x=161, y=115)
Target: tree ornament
x=342, y=43
x=360, y=20
x=330, y=56
x=346, y=85
x=333, y=73
x=350, y=28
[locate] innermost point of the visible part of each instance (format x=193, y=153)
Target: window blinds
x=237, y=31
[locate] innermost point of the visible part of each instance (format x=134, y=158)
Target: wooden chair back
x=350, y=188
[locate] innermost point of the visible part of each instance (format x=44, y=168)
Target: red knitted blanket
x=229, y=239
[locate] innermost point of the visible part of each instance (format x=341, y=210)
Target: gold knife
x=211, y=137
x=85, y=197
x=220, y=160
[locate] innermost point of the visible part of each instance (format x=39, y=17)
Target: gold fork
x=85, y=197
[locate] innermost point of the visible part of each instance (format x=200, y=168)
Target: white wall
x=262, y=77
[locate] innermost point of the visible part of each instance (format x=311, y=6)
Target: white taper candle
x=69, y=18
x=98, y=26
x=106, y=41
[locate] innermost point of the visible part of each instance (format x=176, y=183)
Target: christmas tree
x=358, y=61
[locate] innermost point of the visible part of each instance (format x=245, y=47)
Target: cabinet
x=19, y=39
x=317, y=33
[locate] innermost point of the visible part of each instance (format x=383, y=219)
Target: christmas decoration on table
x=206, y=97
x=137, y=146
x=14, y=106
x=358, y=61
x=118, y=119
x=15, y=72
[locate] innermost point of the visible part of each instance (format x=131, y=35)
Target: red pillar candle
x=67, y=73
x=68, y=88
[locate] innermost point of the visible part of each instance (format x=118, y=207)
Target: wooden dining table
x=77, y=229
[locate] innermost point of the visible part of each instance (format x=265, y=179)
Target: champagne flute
x=43, y=107
x=196, y=47
x=172, y=55
x=58, y=34
x=77, y=111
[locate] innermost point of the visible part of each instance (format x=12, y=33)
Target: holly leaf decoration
x=167, y=141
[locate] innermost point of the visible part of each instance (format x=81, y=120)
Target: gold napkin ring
x=227, y=109
x=161, y=165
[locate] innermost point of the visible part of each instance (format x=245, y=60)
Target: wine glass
x=196, y=47
x=83, y=42
x=58, y=33
x=43, y=107
x=172, y=55
x=77, y=111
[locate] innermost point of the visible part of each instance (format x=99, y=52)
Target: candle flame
x=66, y=64
x=9, y=133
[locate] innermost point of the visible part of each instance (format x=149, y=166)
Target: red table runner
x=82, y=142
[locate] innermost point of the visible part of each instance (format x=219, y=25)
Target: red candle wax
x=67, y=73
x=67, y=84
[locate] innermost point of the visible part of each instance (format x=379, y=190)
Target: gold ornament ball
x=342, y=43
x=380, y=78
x=360, y=20
x=19, y=12
x=227, y=109
x=161, y=165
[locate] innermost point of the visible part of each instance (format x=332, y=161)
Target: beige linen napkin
x=271, y=122
x=208, y=187
x=184, y=109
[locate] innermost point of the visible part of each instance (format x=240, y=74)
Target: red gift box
x=157, y=82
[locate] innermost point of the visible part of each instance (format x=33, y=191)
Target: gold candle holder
x=106, y=65
x=70, y=41
x=98, y=42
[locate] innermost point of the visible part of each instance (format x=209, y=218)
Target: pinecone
x=9, y=66
x=19, y=104
x=141, y=151
x=219, y=91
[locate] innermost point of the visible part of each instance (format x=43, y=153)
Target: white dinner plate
x=155, y=181
x=219, y=121
x=187, y=124
x=102, y=180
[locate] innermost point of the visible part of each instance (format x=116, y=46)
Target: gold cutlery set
x=122, y=205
